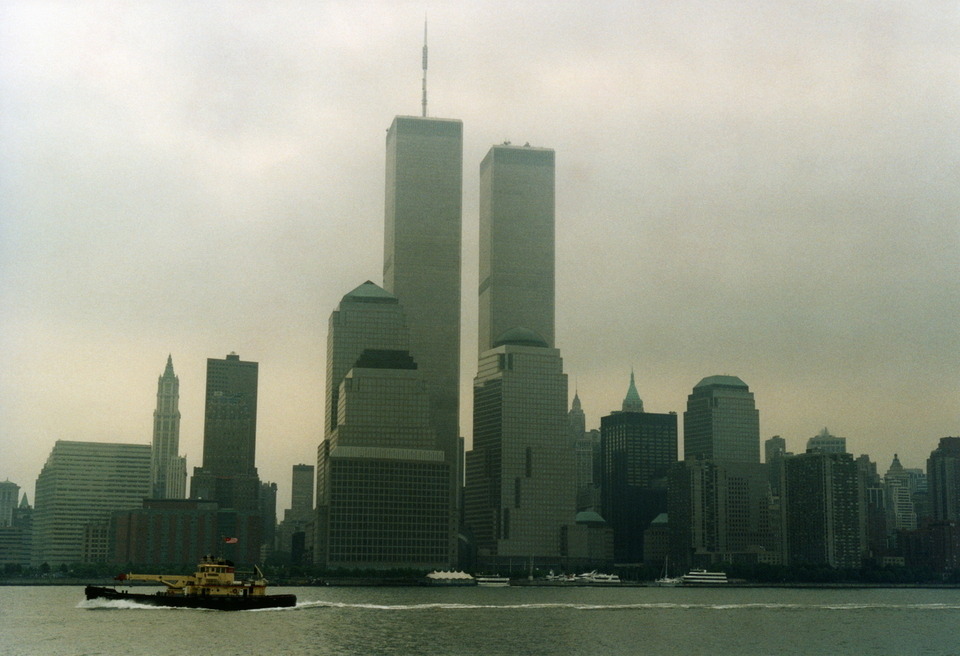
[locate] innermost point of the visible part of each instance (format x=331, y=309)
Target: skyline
x=769, y=194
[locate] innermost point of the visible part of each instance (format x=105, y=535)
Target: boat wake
x=305, y=605
x=119, y=604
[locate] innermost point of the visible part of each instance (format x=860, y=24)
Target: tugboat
x=212, y=586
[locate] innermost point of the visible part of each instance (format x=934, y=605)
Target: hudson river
x=497, y=621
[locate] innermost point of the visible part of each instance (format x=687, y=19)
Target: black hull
x=193, y=601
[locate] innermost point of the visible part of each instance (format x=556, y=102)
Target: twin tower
x=389, y=474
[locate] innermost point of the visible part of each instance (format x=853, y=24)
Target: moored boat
x=213, y=586
x=703, y=577
x=494, y=580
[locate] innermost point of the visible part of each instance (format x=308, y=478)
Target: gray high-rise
x=516, y=242
x=229, y=473
x=520, y=498
x=168, y=470
x=721, y=422
x=421, y=254
x=384, y=496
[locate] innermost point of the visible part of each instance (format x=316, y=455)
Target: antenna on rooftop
x=424, y=65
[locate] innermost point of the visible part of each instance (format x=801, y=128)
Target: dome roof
x=520, y=336
x=726, y=381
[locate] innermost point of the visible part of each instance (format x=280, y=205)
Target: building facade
x=422, y=262
x=168, y=470
x=80, y=486
x=229, y=473
x=383, y=472
x=943, y=471
x=823, y=510
x=827, y=443
x=517, y=242
x=520, y=496
x=637, y=451
x=721, y=422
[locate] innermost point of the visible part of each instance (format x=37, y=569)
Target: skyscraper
x=637, y=450
x=229, y=472
x=168, y=471
x=827, y=443
x=421, y=259
x=721, y=422
x=517, y=248
x=943, y=468
x=80, y=485
x=383, y=477
x=823, y=510
x=520, y=496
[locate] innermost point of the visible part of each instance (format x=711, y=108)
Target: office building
x=9, y=496
x=637, y=451
x=517, y=249
x=827, y=443
x=383, y=474
x=229, y=474
x=168, y=470
x=80, y=485
x=720, y=512
x=421, y=262
x=586, y=449
x=824, y=522
x=170, y=532
x=943, y=470
x=901, y=513
x=721, y=422
x=298, y=518
x=520, y=497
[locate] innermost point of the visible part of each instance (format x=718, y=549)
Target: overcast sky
x=767, y=190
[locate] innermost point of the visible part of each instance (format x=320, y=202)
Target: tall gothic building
x=168, y=470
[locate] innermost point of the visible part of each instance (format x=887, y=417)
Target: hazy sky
x=768, y=190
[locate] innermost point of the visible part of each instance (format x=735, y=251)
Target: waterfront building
x=229, y=474
x=168, y=470
x=874, y=508
x=421, y=262
x=520, y=499
x=80, y=485
x=943, y=469
x=171, y=532
x=637, y=450
x=383, y=472
x=516, y=243
x=9, y=495
x=823, y=510
x=586, y=449
x=901, y=513
x=721, y=422
x=298, y=518
x=720, y=512
x=827, y=443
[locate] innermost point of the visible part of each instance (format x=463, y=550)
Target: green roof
x=724, y=381
x=370, y=293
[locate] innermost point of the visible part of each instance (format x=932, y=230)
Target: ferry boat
x=212, y=586
x=495, y=580
x=703, y=577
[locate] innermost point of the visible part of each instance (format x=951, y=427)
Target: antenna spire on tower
x=424, y=65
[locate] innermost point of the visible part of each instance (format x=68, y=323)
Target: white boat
x=493, y=581
x=595, y=577
x=665, y=579
x=703, y=577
